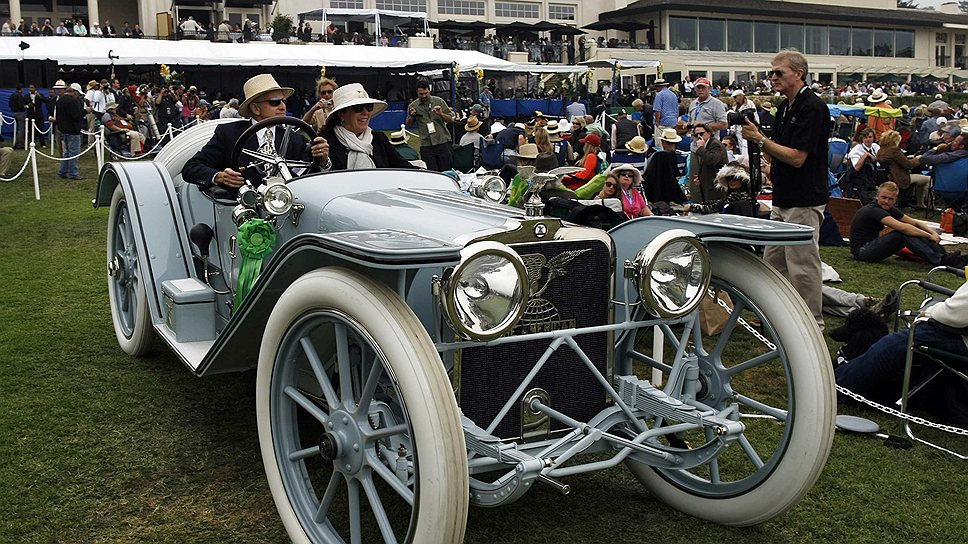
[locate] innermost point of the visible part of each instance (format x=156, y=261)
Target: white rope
x=3, y=120
x=22, y=168
x=408, y=133
x=46, y=156
x=38, y=131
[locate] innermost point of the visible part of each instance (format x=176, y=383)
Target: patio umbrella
x=568, y=30
x=625, y=26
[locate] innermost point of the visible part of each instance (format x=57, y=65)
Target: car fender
x=160, y=233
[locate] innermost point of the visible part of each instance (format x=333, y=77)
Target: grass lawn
x=98, y=447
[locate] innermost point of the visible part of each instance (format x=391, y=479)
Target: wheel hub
x=713, y=384
x=116, y=268
x=343, y=444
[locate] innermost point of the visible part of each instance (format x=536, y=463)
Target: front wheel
x=126, y=288
x=770, y=362
x=359, y=430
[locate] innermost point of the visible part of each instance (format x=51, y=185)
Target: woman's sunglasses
x=326, y=91
x=611, y=185
x=360, y=107
x=627, y=174
x=274, y=102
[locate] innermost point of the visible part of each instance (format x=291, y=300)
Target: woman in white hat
x=353, y=144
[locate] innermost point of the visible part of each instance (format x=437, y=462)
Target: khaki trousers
x=800, y=265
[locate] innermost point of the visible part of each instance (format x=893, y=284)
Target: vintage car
x=420, y=350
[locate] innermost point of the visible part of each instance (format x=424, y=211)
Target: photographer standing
x=431, y=114
x=799, y=172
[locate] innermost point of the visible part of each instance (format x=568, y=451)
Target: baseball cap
x=702, y=81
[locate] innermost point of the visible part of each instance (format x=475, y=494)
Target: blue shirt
x=667, y=104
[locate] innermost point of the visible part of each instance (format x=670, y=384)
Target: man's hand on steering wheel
x=229, y=178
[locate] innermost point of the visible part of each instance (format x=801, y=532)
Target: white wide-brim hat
x=877, y=97
x=355, y=95
x=670, y=135
x=257, y=86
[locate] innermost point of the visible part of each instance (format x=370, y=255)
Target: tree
x=281, y=26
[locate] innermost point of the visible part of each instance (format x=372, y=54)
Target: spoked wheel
x=126, y=290
x=771, y=362
x=359, y=429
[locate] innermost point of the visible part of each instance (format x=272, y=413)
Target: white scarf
x=359, y=148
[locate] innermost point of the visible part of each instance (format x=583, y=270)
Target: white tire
x=798, y=381
x=126, y=290
x=332, y=332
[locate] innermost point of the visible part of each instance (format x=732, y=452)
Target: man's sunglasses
x=360, y=107
x=274, y=102
x=698, y=134
x=777, y=73
x=326, y=91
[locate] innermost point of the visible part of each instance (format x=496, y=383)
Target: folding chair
x=463, y=158
x=836, y=151
x=950, y=184
x=941, y=358
x=635, y=159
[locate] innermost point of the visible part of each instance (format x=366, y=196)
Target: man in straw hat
x=115, y=123
x=665, y=109
x=398, y=140
x=880, y=123
x=264, y=99
x=662, y=171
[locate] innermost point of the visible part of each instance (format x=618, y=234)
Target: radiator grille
x=575, y=277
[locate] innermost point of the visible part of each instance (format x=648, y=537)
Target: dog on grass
x=861, y=329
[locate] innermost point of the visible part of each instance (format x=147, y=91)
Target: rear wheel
x=359, y=429
x=126, y=289
x=784, y=391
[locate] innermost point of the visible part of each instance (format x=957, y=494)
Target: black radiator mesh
x=580, y=295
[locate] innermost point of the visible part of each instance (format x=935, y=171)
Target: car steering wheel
x=273, y=162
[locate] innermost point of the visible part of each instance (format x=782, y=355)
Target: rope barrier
x=17, y=175
x=61, y=159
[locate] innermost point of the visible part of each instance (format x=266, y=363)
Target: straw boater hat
x=59, y=84
x=111, y=104
x=354, y=95
x=552, y=127
x=472, y=124
x=398, y=137
x=76, y=87
x=669, y=135
x=877, y=97
x=660, y=82
x=257, y=86
x=636, y=145
x=526, y=151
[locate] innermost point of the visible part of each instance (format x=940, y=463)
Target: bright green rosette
x=256, y=239
x=519, y=186
x=592, y=188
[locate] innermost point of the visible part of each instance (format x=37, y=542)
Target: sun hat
x=538, y=114
x=878, y=96
x=636, y=145
x=111, y=104
x=257, y=86
x=398, y=137
x=552, y=127
x=625, y=167
x=355, y=95
x=526, y=151
x=76, y=87
x=637, y=102
x=670, y=135
x=593, y=139
x=472, y=124
x=702, y=81
x=59, y=84
x=660, y=82
x=737, y=92
x=520, y=126
x=545, y=162
x=92, y=83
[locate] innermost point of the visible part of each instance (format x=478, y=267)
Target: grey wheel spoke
x=714, y=475
x=372, y=380
x=754, y=362
x=353, y=500
x=385, y=432
x=304, y=453
x=343, y=365
x=323, y=511
x=765, y=408
x=310, y=350
x=378, y=511
x=307, y=404
x=750, y=452
x=125, y=295
x=391, y=479
x=123, y=231
x=727, y=331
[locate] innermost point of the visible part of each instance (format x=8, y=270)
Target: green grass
x=98, y=447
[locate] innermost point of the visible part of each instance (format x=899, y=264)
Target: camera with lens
x=735, y=118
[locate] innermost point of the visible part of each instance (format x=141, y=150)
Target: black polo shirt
x=868, y=224
x=804, y=126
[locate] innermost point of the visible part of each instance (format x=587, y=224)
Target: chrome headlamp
x=276, y=198
x=485, y=295
x=673, y=273
x=490, y=188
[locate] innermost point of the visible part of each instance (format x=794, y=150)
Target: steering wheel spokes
x=274, y=163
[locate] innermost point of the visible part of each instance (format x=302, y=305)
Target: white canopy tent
x=380, y=17
x=621, y=64
x=132, y=52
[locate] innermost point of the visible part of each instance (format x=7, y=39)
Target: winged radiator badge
x=541, y=314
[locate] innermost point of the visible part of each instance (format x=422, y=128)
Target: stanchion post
x=33, y=132
x=657, y=349
x=33, y=166
x=100, y=149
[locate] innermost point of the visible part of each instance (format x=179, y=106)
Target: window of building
x=862, y=42
x=720, y=79
x=517, y=10
x=815, y=40
x=743, y=77
x=461, y=7
x=712, y=35
x=825, y=77
x=560, y=12
x=883, y=43
x=402, y=5
x=696, y=74
x=791, y=36
x=904, y=43
x=739, y=36
x=839, y=40
x=346, y=4
x=682, y=33
x=765, y=37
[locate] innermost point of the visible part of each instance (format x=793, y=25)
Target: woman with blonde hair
x=543, y=140
x=316, y=116
x=900, y=166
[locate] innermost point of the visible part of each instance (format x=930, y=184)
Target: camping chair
x=939, y=358
x=635, y=159
x=492, y=155
x=463, y=158
x=836, y=151
x=950, y=184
